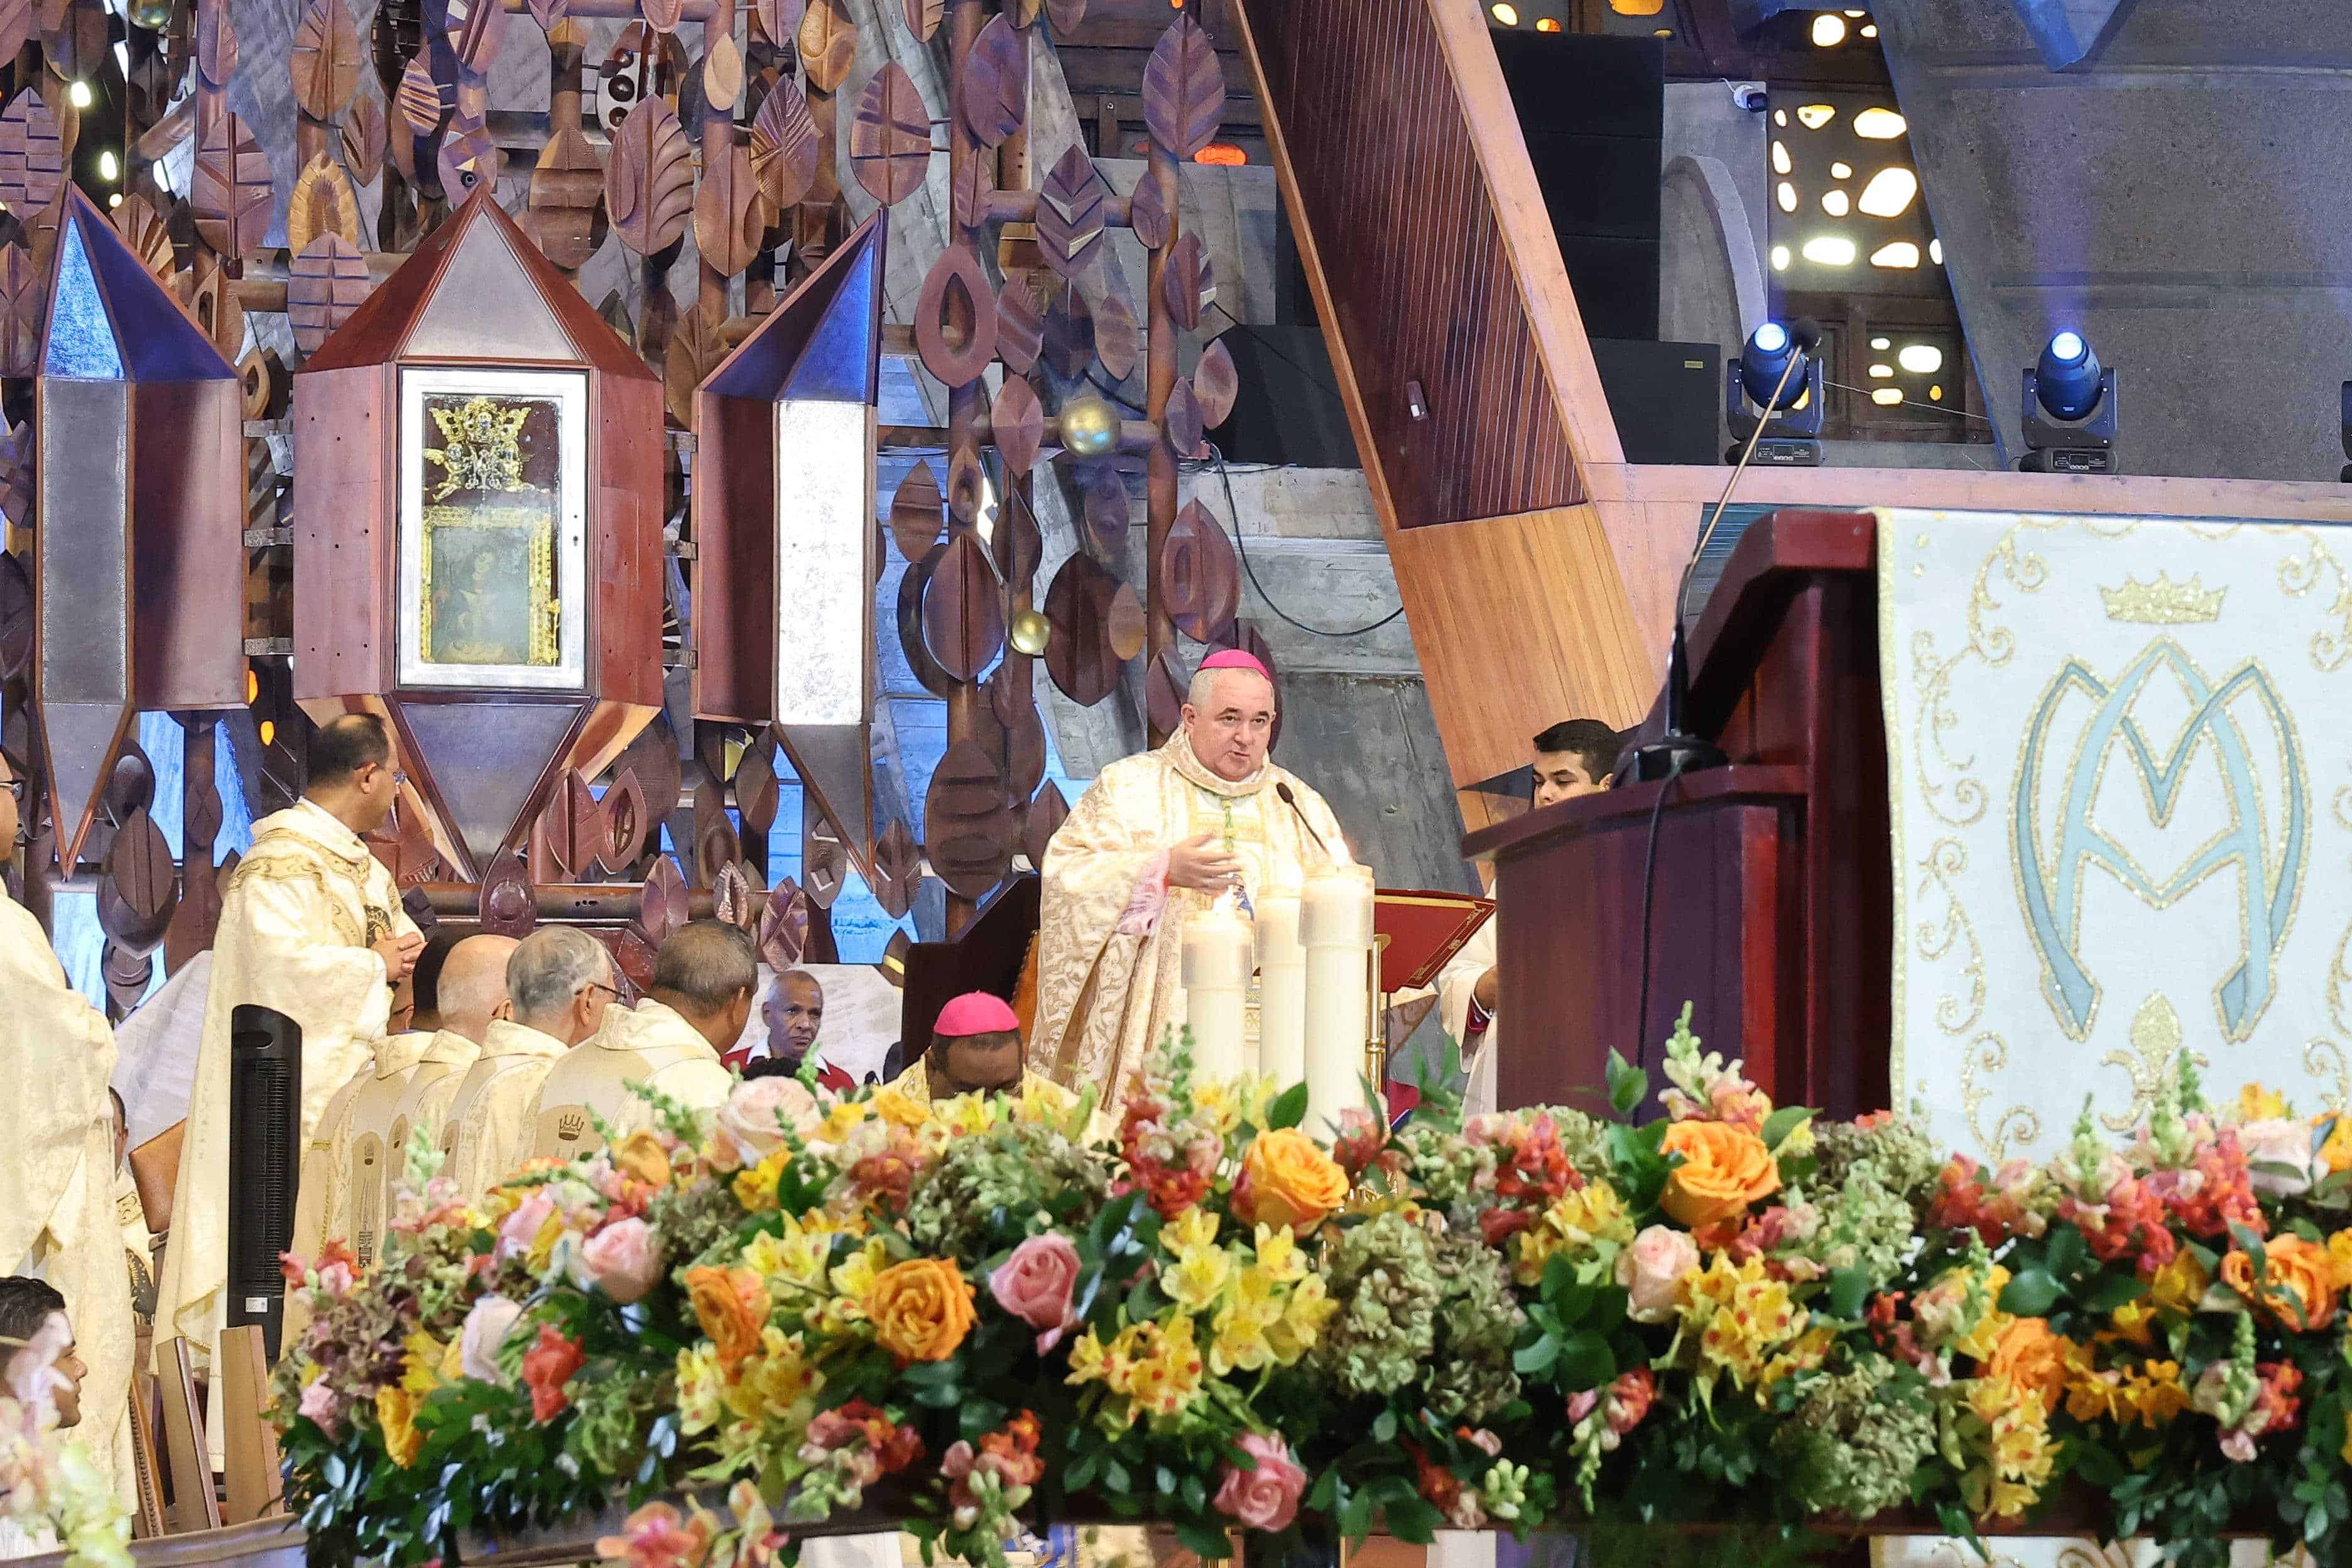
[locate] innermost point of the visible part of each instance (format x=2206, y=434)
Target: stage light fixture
x=2069, y=409
x=78, y=95
x=1772, y=393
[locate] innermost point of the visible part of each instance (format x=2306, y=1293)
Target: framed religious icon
x=493, y=528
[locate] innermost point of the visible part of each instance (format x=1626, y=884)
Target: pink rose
x=1266, y=1496
x=522, y=1226
x=33, y=1374
x=1651, y=1268
x=321, y=1403
x=623, y=1260
x=1035, y=1286
x=2284, y=1146
x=487, y=1328
x=751, y=1125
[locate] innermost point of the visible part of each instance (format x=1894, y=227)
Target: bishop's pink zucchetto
x=1236, y=659
x=976, y=1013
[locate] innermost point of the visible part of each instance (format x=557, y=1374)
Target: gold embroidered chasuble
x=1110, y=929
x=295, y=928
x=425, y=1098
x=353, y=1150
x=651, y=1044
x=486, y=1133
x=56, y=1183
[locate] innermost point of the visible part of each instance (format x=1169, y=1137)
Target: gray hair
x=1202, y=693
x=705, y=964
x=550, y=967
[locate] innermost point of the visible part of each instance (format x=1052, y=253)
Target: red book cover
x=1418, y=930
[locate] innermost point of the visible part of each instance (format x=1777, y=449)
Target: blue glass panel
x=82, y=338
x=837, y=364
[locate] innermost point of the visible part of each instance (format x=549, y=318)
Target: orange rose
x=1724, y=1169
x=2298, y=1284
x=641, y=1155
x=922, y=1308
x=1286, y=1180
x=731, y=1305
x=2032, y=1357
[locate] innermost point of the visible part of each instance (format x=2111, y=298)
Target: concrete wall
x=2178, y=198
x=1713, y=224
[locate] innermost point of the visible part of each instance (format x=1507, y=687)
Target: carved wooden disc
x=890, y=141
x=785, y=146
x=1106, y=504
x=1080, y=657
x=1184, y=89
x=324, y=285
x=1069, y=340
x=915, y=513
x=32, y=156
x=649, y=183
x=325, y=65
x=898, y=869
x=1200, y=580
x=955, y=320
x=995, y=96
x=230, y=193
x=728, y=224
x=923, y=18
x=323, y=202
x=1189, y=282
x=1114, y=336
x=963, y=611
x=362, y=138
x=1215, y=383
x=1020, y=323
x=1146, y=214
x=1181, y=425
x=967, y=828
x=828, y=41
x=1018, y=423
x=1042, y=821
x=1069, y=213
x=567, y=198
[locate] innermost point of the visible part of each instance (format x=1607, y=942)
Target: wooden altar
x=1770, y=892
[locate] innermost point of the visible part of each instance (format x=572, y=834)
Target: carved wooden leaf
x=955, y=318
x=722, y=74
x=16, y=27
x=1114, y=336
x=662, y=16
x=1188, y=281
x=549, y=13
x=1181, y=423
x=824, y=859
x=324, y=285
x=1069, y=213
x=1126, y=625
x=215, y=45
x=1042, y=821
x=728, y=223
x=785, y=147
x=419, y=100
x=1079, y=658
x=506, y=906
x=995, y=95
x=17, y=506
x=785, y=926
x=755, y=783
x=1164, y=686
x=323, y=202
x=632, y=814
x=468, y=158
x=1024, y=753
x=1106, y=504
x=716, y=846
x=1199, y=581
x=963, y=611
x=32, y=158
x=694, y=352
x=139, y=865
x=829, y=40
x=1215, y=383
x=1017, y=545
x=649, y=183
x=730, y=896
x=1069, y=342
x=665, y=904
x=475, y=28
x=967, y=828
x=571, y=824
x=1018, y=423
x=1184, y=89
x=780, y=20
x=890, y=141
x=967, y=482
x=218, y=310
x=1146, y=214
x=1023, y=12
x=23, y=306
x=231, y=192
x=325, y=65
x=914, y=510
x=1020, y=323
x=363, y=139
x=923, y=18
x=1066, y=14
x=898, y=869
x=147, y=235
x=567, y=196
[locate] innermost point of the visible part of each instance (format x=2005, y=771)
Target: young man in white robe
x=1157, y=838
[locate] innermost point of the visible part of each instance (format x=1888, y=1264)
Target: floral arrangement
x=49, y=1482
x=964, y=1314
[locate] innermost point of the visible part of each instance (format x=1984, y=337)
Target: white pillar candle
x=1281, y=988
x=1214, y=971
x=1335, y=923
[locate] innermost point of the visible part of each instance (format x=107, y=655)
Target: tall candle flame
x=1339, y=856
x=1228, y=903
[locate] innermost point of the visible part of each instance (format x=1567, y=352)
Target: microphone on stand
x=1291, y=801
x=1677, y=751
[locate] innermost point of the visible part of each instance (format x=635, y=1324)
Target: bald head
x=561, y=980
x=352, y=771
x=1229, y=720
x=707, y=972
x=473, y=985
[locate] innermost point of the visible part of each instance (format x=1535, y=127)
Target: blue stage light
x=1770, y=349
x=2067, y=376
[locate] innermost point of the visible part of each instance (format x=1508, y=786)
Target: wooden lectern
x=1772, y=898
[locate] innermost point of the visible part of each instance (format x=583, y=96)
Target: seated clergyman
x=975, y=1049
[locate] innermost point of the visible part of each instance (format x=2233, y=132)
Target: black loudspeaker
x=1592, y=111
x=1663, y=396
x=265, y=1138
x=1288, y=409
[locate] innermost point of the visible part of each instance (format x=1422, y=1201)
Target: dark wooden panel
x=734, y=558
x=187, y=565
x=1422, y=283
x=344, y=538
x=626, y=554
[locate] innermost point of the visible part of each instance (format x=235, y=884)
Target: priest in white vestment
x=560, y=985
x=311, y=927
x=671, y=1042
x=1156, y=838
x=1576, y=757
x=470, y=992
x=57, y=1182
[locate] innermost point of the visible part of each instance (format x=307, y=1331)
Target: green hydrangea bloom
x=1479, y=1320
x=1898, y=1153
x=1384, y=1276
x=1852, y=1443
x=997, y=1188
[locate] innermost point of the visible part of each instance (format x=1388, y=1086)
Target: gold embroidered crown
x=2164, y=602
